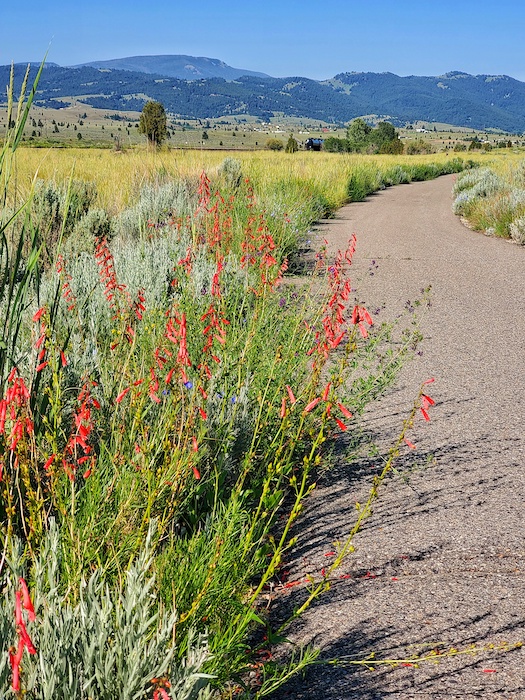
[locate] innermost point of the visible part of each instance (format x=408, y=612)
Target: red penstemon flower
x=214, y=330
x=22, y=600
x=122, y=394
x=361, y=317
x=426, y=402
x=26, y=600
x=67, y=292
x=15, y=411
x=186, y=262
x=38, y=315
x=204, y=193
x=344, y=410
x=139, y=306
x=312, y=405
x=49, y=462
x=77, y=450
x=215, y=284
x=291, y=396
x=108, y=275
x=153, y=386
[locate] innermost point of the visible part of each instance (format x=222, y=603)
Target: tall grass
x=118, y=176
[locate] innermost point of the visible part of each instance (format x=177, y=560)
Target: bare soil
x=441, y=563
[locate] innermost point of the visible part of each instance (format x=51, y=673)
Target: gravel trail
x=442, y=561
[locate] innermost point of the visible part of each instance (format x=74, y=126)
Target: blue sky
x=307, y=38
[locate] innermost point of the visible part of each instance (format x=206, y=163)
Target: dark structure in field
x=313, y=144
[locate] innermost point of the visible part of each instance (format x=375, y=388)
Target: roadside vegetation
x=492, y=199
x=168, y=392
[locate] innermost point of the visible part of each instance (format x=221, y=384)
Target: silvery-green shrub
x=108, y=643
x=231, y=171
x=94, y=224
x=157, y=204
x=517, y=230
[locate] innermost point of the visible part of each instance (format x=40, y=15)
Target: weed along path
x=441, y=563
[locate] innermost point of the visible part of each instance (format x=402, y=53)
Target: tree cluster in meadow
x=362, y=138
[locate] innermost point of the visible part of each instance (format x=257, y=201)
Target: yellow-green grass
x=119, y=175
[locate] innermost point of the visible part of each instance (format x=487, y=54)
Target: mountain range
x=204, y=88
x=181, y=67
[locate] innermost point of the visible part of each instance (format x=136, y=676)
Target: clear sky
x=279, y=37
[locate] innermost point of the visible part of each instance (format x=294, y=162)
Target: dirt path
x=443, y=558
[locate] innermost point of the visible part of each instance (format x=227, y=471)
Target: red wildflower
x=14, y=660
x=39, y=314
x=427, y=401
x=49, y=462
x=312, y=405
x=122, y=395
x=24, y=640
x=346, y=413
x=291, y=395
x=360, y=316
x=41, y=339
x=26, y=600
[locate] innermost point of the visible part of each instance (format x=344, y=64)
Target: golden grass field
x=119, y=175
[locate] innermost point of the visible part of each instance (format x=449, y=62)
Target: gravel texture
x=441, y=563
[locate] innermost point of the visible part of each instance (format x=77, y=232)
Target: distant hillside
x=182, y=67
x=479, y=102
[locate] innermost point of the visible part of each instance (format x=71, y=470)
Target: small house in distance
x=313, y=144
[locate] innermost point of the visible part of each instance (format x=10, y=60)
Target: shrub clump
x=274, y=145
x=492, y=202
x=517, y=230
x=230, y=170
x=157, y=206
